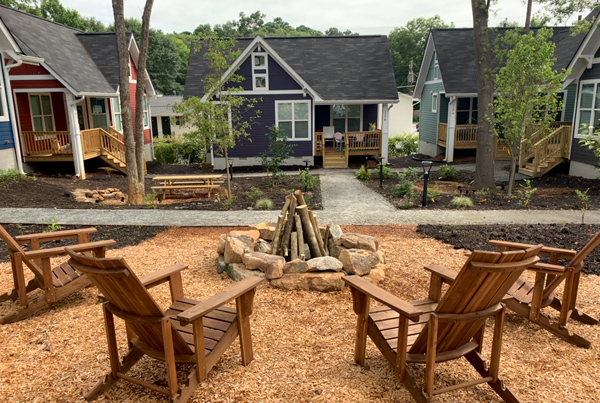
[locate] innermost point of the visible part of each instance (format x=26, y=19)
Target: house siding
x=569, y=103
x=322, y=117
x=258, y=141
x=591, y=74
x=59, y=113
x=22, y=103
x=6, y=133
x=279, y=79
x=369, y=115
x=582, y=154
x=428, y=124
x=443, y=109
x=431, y=68
x=245, y=71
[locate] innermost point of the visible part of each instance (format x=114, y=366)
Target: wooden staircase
x=112, y=149
x=546, y=152
x=335, y=160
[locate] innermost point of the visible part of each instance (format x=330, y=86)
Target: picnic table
x=187, y=182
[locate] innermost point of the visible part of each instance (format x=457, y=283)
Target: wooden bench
x=187, y=182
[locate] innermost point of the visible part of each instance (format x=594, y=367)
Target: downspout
x=451, y=129
x=76, y=144
x=12, y=112
x=385, y=128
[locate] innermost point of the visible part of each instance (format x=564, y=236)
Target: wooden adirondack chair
x=57, y=282
x=445, y=328
x=189, y=331
x=527, y=299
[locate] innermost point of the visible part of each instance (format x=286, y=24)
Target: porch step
x=335, y=160
x=114, y=162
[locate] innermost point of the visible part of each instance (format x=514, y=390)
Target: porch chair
x=328, y=135
x=444, y=328
x=527, y=299
x=339, y=140
x=189, y=331
x=58, y=282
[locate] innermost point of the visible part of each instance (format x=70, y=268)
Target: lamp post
x=426, y=165
x=230, y=170
x=380, y=163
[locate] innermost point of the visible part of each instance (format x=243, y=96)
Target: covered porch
x=336, y=153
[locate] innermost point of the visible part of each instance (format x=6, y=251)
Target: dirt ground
x=53, y=190
x=303, y=341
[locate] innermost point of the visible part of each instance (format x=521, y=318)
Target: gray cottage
x=330, y=95
x=447, y=90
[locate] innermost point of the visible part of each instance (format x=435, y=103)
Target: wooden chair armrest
x=161, y=276
x=547, y=268
x=446, y=275
x=54, y=235
x=546, y=251
x=402, y=307
x=60, y=250
x=220, y=299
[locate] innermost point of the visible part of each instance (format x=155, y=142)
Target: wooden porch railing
x=442, y=134
x=355, y=142
x=112, y=145
x=465, y=136
x=319, y=145
x=47, y=143
x=557, y=144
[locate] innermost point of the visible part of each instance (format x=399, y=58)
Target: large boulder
x=271, y=265
x=376, y=275
x=263, y=246
x=265, y=229
x=334, y=249
x=239, y=272
x=221, y=265
x=254, y=234
x=323, y=282
x=295, y=266
x=325, y=263
x=358, y=261
x=359, y=241
x=336, y=232
x=236, y=246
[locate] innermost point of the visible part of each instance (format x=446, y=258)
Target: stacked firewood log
x=297, y=226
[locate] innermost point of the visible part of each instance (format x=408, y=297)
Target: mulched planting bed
x=555, y=191
x=303, y=341
x=53, y=190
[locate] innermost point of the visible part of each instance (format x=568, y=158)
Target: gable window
x=466, y=111
x=346, y=118
x=293, y=119
x=259, y=60
x=260, y=81
x=41, y=112
x=589, y=109
x=117, y=113
x=436, y=69
x=260, y=71
x=434, y=102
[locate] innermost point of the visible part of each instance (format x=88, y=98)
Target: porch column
x=76, y=144
x=451, y=130
x=385, y=128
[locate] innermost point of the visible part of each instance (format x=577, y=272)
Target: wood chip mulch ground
x=303, y=341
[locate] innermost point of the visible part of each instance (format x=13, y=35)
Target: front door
x=166, y=125
x=154, y=127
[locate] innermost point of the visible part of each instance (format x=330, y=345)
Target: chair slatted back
x=14, y=248
x=123, y=290
x=481, y=284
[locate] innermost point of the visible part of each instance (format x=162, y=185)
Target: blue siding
x=443, y=110
x=369, y=115
x=431, y=67
x=6, y=133
x=245, y=71
x=591, y=74
x=258, y=142
x=569, y=103
x=428, y=122
x=322, y=117
x=279, y=79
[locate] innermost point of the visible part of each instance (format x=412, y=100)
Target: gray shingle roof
x=162, y=106
x=456, y=55
x=102, y=48
x=337, y=68
x=60, y=48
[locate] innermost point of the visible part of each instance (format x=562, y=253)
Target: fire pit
x=296, y=253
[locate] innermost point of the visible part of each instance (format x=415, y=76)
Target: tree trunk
x=484, y=161
x=528, y=16
x=134, y=193
x=512, y=173
x=139, y=96
x=227, y=173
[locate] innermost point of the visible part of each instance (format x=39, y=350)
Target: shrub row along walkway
x=346, y=201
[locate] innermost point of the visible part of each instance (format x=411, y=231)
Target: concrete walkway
x=346, y=201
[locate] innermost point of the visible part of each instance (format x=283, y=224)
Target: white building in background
x=165, y=121
x=401, y=116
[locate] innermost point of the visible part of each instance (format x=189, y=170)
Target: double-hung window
x=346, y=118
x=293, y=119
x=466, y=111
x=145, y=112
x=41, y=112
x=117, y=112
x=99, y=118
x=589, y=109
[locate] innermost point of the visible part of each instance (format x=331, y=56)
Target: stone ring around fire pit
x=297, y=253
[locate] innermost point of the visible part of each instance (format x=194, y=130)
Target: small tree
x=223, y=116
x=527, y=88
x=278, y=152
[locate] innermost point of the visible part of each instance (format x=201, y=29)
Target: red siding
x=27, y=69
x=36, y=84
x=59, y=112
x=23, y=108
x=133, y=69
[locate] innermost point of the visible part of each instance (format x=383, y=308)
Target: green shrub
x=164, y=152
x=263, y=204
x=447, y=172
x=309, y=181
x=11, y=175
x=362, y=173
x=461, y=202
x=181, y=150
x=404, y=144
x=387, y=172
x=410, y=174
x=278, y=152
x=403, y=188
x=254, y=194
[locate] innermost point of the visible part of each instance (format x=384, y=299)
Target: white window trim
x=436, y=69
x=115, y=101
x=578, y=106
x=4, y=117
x=51, y=107
x=309, y=119
x=434, y=102
x=92, y=114
x=255, y=74
x=565, y=93
x=146, y=111
x=346, y=117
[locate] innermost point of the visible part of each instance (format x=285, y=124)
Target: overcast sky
x=364, y=17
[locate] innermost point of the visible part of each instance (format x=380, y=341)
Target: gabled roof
x=455, y=52
x=86, y=63
x=163, y=105
x=348, y=68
